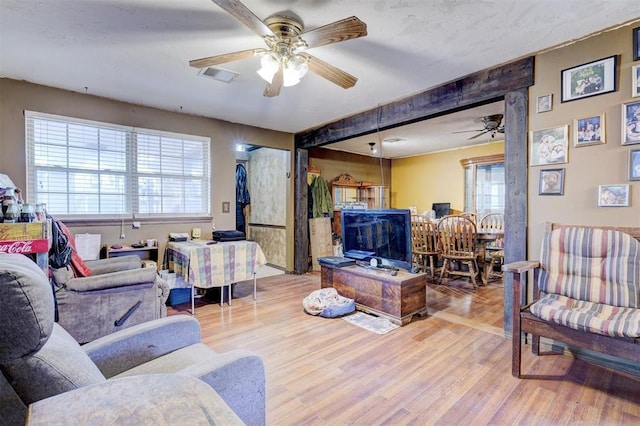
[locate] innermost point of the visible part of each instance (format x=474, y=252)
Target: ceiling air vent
x=219, y=74
x=393, y=139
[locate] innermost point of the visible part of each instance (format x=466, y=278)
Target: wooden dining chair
x=424, y=245
x=493, y=222
x=470, y=215
x=459, y=244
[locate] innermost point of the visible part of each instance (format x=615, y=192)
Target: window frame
x=470, y=165
x=131, y=173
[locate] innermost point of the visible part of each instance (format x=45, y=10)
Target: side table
x=144, y=253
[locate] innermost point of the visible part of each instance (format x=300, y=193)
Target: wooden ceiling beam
x=473, y=90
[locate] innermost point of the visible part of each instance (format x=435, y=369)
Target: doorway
x=268, y=184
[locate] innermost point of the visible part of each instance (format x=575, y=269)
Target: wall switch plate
x=225, y=206
x=135, y=225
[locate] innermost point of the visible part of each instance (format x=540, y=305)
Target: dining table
x=207, y=264
x=489, y=241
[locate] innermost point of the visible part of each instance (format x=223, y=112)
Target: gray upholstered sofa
x=118, y=294
x=40, y=360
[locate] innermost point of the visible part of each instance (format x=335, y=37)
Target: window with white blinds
x=84, y=169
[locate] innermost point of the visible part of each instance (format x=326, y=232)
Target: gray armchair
x=41, y=363
x=118, y=294
x=160, y=399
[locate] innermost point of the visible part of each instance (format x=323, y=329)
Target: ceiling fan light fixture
x=285, y=35
x=295, y=69
x=289, y=79
x=269, y=66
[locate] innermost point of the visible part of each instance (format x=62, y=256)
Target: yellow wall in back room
x=425, y=179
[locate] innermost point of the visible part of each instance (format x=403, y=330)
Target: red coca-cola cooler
x=26, y=238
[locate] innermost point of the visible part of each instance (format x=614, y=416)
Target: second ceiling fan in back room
x=491, y=125
x=284, y=61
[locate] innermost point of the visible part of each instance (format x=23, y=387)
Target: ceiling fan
x=491, y=125
x=285, y=61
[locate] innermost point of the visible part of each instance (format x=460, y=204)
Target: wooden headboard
x=633, y=231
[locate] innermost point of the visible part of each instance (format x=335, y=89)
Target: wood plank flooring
x=450, y=367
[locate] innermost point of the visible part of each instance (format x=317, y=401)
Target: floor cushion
x=328, y=303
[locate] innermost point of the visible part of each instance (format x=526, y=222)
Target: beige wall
x=422, y=180
x=588, y=166
x=17, y=96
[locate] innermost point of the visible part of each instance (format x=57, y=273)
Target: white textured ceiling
x=138, y=51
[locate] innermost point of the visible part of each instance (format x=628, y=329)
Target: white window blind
x=84, y=169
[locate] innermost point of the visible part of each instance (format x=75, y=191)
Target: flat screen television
x=381, y=234
x=441, y=209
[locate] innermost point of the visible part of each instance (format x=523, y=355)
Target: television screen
x=381, y=234
x=441, y=209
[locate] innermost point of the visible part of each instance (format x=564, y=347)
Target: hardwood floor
x=452, y=366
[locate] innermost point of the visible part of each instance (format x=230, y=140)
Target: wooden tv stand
x=397, y=298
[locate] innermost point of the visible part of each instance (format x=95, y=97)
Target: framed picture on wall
x=549, y=146
x=544, y=103
x=613, y=195
x=634, y=164
x=631, y=123
x=590, y=79
x=635, y=80
x=551, y=182
x=636, y=44
x=588, y=131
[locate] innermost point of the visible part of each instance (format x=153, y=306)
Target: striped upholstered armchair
x=586, y=293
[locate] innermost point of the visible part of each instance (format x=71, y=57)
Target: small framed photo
x=549, y=146
x=636, y=44
x=551, y=182
x=635, y=80
x=631, y=123
x=588, y=131
x=590, y=79
x=544, y=103
x=613, y=195
x=634, y=164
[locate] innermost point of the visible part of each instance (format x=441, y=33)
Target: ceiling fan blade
x=342, y=30
x=468, y=131
x=331, y=73
x=479, y=134
x=242, y=13
x=273, y=89
x=227, y=57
